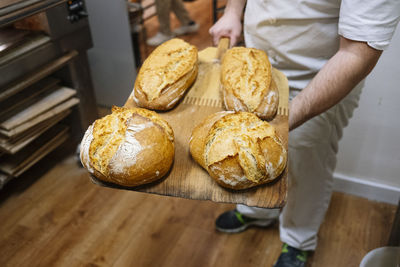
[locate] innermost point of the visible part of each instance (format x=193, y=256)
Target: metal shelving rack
x=46, y=91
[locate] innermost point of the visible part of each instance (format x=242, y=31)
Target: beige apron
x=300, y=37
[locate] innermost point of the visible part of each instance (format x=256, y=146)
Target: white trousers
x=299, y=39
x=312, y=160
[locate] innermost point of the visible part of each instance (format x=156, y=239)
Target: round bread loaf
x=247, y=82
x=129, y=147
x=166, y=75
x=238, y=149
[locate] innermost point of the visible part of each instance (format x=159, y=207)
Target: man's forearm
x=351, y=64
x=235, y=6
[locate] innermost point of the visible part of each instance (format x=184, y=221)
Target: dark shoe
x=291, y=257
x=234, y=222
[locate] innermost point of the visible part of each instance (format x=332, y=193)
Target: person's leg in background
x=163, y=8
x=187, y=24
x=180, y=11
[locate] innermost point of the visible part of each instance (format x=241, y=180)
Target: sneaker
x=192, y=27
x=158, y=39
x=234, y=222
x=291, y=257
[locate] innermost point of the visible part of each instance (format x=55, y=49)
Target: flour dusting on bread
x=247, y=82
x=84, y=153
x=127, y=152
x=129, y=147
x=238, y=150
x=166, y=75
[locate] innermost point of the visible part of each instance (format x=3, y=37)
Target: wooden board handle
x=223, y=45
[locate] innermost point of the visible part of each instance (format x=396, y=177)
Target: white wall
x=111, y=59
x=370, y=149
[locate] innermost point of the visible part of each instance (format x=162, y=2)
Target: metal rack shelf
x=16, y=10
x=45, y=81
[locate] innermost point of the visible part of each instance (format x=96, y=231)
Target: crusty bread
x=247, y=83
x=130, y=147
x=238, y=149
x=166, y=75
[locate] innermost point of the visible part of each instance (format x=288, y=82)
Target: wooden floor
x=59, y=218
x=55, y=216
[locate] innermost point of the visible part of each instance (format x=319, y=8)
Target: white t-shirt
x=300, y=36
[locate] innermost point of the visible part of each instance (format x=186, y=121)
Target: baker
x=326, y=49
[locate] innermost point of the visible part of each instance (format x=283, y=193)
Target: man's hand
x=229, y=25
x=350, y=65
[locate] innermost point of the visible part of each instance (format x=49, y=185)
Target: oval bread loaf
x=129, y=147
x=238, y=149
x=247, y=83
x=166, y=75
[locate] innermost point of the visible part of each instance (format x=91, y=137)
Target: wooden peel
x=223, y=45
x=186, y=178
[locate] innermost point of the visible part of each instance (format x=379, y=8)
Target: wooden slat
x=35, y=76
x=187, y=179
x=53, y=112
x=23, y=135
x=23, y=9
x=15, y=165
x=5, y=3
x=29, y=44
x=16, y=5
x=38, y=155
x=14, y=146
x=10, y=38
x=4, y=178
x=47, y=102
x=28, y=96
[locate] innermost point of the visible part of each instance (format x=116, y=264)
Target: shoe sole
x=245, y=226
x=187, y=32
x=150, y=42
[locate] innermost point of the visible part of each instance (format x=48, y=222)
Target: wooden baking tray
x=187, y=179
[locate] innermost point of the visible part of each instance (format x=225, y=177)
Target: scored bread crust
x=166, y=75
x=198, y=138
x=247, y=83
x=238, y=149
x=130, y=147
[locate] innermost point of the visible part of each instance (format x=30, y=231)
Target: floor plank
x=62, y=219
